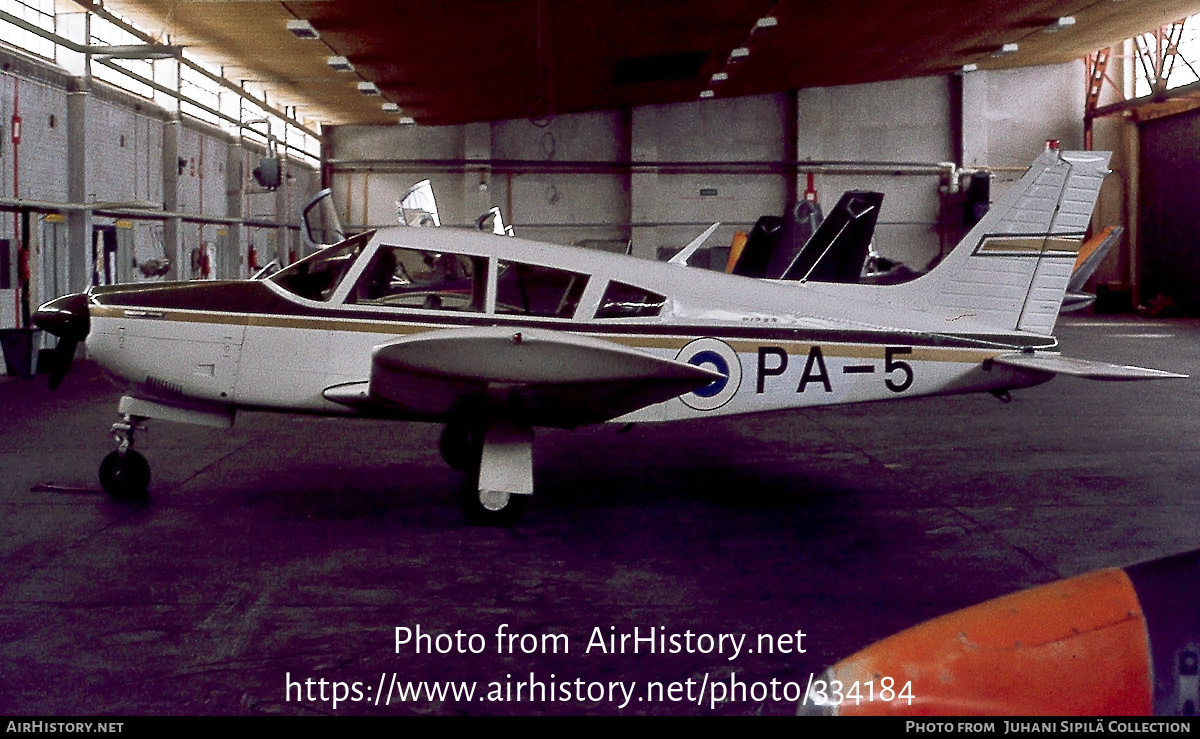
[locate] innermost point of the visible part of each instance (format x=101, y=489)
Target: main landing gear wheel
x=489, y=507
x=497, y=465
x=461, y=446
x=125, y=476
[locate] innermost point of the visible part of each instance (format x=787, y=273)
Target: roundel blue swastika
x=719, y=364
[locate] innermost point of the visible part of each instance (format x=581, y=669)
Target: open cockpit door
x=322, y=227
x=418, y=207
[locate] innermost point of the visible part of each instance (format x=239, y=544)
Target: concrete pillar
x=234, y=199
x=973, y=120
x=172, y=227
x=791, y=146
x=282, y=238
x=477, y=181
x=625, y=156
x=79, y=222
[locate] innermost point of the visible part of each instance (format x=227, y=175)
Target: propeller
x=68, y=319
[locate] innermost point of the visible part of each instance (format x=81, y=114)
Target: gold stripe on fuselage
x=849, y=350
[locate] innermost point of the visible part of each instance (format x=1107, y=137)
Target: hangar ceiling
x=473, y=60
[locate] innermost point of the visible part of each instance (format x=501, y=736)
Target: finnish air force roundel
x=714, y=354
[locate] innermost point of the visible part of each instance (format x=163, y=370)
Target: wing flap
x=535, y=377
x=1058, y=364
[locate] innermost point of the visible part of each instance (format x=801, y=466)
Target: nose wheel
x=125, y=474
x=498, y=479
x=125, y=477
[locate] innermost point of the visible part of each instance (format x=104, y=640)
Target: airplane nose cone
x=66, y=317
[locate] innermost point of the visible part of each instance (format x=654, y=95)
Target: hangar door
x=1170, y=212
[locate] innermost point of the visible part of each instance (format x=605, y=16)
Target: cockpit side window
x=317, y=277
x=534, y=290
x=626, y=301
x=399, y=276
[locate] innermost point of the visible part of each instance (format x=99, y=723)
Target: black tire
x=461, y=445
x=474, y=510
x=125, y=477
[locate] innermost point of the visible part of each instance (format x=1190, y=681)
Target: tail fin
x=839, y=248
x=1011, y=270
x=801, y=245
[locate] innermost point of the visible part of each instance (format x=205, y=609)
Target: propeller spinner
x=68, y=319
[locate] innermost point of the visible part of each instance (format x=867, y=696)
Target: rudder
x=1011, y=270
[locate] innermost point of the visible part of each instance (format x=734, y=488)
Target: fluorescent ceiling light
x=303, y=29
x=134, y=51
x=739, y=54
x=368, y=88
x=407, y=121
x=720, y=77
x=969, y=67
x=765, y=23
x=390, y=108
x=340, y=63
x=1006, y=50
x=705, y=94
x=1065, y=22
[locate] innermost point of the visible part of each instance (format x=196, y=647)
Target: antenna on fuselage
x=684, y=254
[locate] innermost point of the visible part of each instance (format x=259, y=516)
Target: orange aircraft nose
x=1113, y=642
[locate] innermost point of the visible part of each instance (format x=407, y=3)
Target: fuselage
x=281, y=343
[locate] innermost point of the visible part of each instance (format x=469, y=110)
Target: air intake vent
x=163, y=387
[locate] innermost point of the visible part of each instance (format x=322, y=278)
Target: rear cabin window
x=317, y=277
x=626, y=301
x=532, y=290
x=412, y=278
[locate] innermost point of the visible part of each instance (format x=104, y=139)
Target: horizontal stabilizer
x=533, y=377
x=1076, y=301
x=1060, y=365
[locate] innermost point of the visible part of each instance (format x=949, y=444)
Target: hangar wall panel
x=37, y=168
x=202, y=181
x=43, y=166
x=746, y=129
x=1170, y=214
x=900, y=121
x=565, y=208
x=121, y=163
x=1006, y=118
x=1009, y=114
x=124, y=163
x=367, y=199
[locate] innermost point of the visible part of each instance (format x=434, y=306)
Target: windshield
x=317, y=277
x=413, y=278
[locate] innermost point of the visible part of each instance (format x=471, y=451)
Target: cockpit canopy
x=410, y=278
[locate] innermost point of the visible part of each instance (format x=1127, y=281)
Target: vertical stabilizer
x=1011, y=270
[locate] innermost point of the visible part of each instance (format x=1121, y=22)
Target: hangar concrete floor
x=292, y=548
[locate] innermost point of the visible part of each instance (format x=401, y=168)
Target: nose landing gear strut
x=125, y=474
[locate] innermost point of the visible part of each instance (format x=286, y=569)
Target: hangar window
x=316, y=277
x=412, y=278
x=626, y=301
x=533, y=290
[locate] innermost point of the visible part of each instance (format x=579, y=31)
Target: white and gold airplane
x=496, y=336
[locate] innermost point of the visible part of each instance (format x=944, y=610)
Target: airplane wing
x=1060, y=365
x=531, y=376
